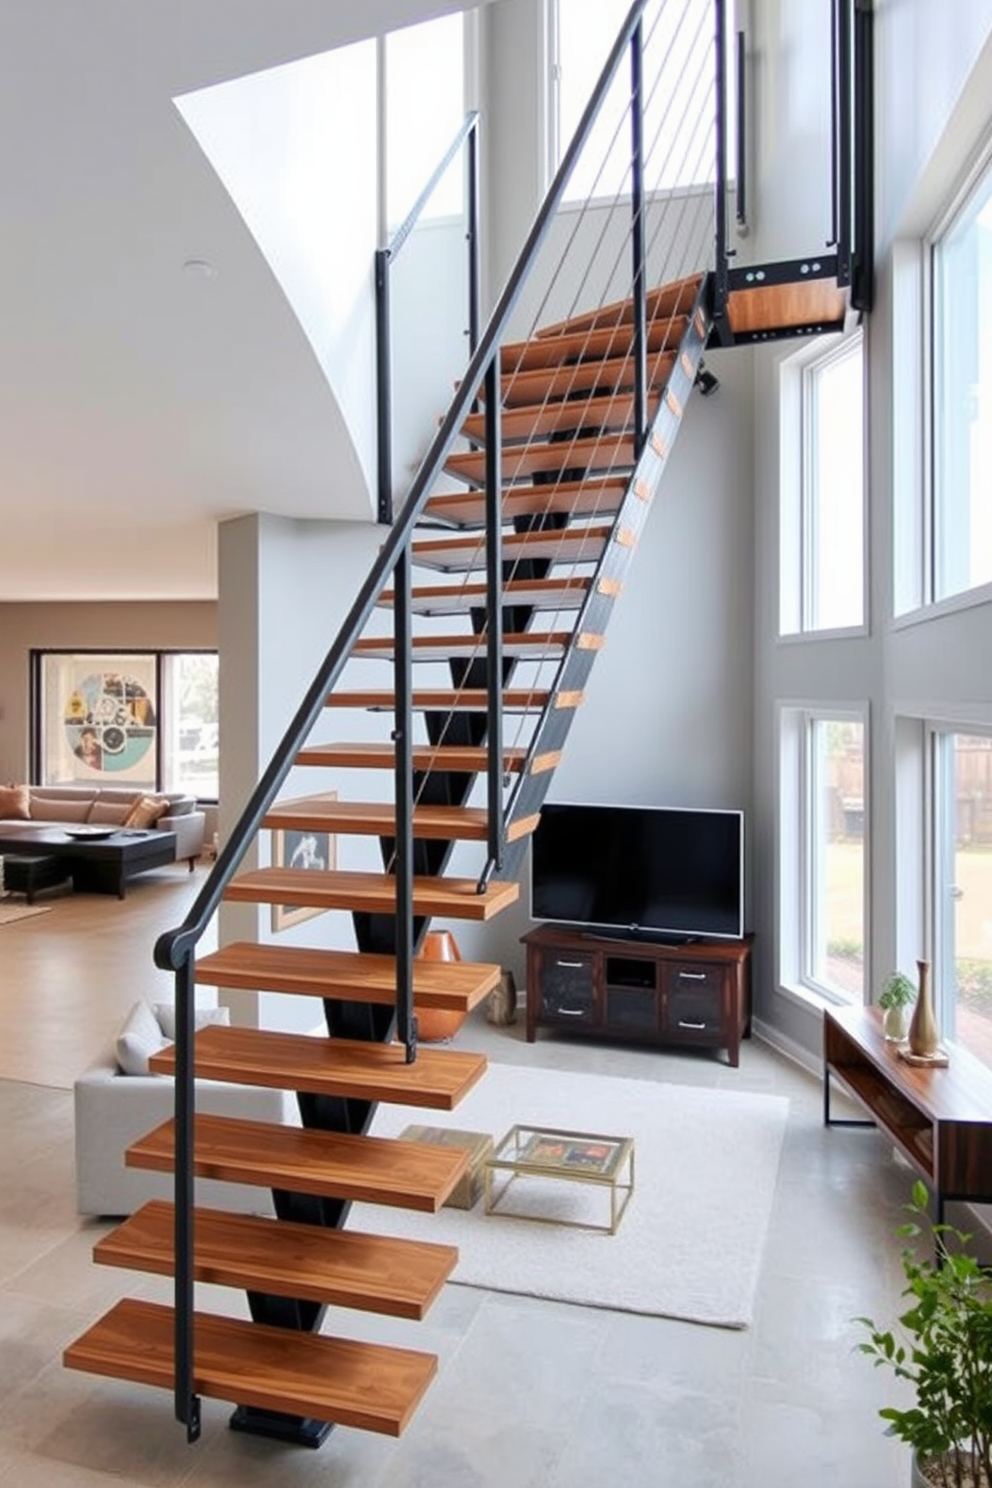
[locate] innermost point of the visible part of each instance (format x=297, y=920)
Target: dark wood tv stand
x=696, y=994
x=939, y=1119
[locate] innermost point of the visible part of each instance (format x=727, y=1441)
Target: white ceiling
x=140, y=404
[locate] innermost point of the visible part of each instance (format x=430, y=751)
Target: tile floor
x=528, y=1393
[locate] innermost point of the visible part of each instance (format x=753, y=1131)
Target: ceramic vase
x=924, y=1035
x=437, y=1025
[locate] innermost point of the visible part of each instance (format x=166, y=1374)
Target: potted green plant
x=944, y=1349
x=895, y=1000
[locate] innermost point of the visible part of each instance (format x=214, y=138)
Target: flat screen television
x=640, y=871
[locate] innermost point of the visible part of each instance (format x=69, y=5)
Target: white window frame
x=795, y=885
x=975, y=175
x=797, y=582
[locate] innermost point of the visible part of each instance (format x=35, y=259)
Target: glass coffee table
x=531, y=1152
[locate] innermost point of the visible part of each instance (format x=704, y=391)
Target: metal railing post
x=383, y=389
x=403, y=846
x=187, y=1404
x=494, y=612
x=637, y=234
x=722, y=273
x=472, y=236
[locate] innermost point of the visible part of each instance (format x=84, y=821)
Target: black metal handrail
x=175, y=949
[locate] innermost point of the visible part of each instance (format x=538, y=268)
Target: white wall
x=296, y=147
x=286, y=588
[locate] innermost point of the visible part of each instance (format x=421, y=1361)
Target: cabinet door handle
x=572, y=1012
x=571, y=965
x=692, y=976
x=684, y=1023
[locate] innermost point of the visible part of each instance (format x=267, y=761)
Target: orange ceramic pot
x=437, y=1025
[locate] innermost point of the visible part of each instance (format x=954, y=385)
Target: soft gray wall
x=180, y=626
x=285, y=588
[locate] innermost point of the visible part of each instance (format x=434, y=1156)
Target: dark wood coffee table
x=98, y=864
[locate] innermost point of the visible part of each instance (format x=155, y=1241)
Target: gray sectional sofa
x=53, y=806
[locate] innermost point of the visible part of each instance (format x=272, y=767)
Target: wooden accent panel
x=345, y=975
x=458, y=599
x=378, y=819
x=341, y=1268
x=373, y=893
x=371, y=1386
x=604, y=452
x=375, y=1170
x=676, y=297
x=590, y=345
x=363, y=1070
x=527, y=421
x=457, y=759
x=568, y=545
x=599, y=496
x=532, y=645
x=777, y=306
x=463, y=700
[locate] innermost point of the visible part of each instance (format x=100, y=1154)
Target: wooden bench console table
x=939, y=1119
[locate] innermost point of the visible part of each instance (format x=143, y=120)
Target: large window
x=823, y=496
x=962, y=888
x=822, y=877
x=679, y=140
x=146, y=719
x=962, y=397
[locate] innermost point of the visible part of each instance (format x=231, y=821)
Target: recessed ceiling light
x=199, y=268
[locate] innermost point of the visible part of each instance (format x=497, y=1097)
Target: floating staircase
x=568, y=538
x=558, y=444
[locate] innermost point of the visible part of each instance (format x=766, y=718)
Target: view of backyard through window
x=836, y=943
x=963, y=890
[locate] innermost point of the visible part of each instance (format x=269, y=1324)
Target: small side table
x=563, y=1156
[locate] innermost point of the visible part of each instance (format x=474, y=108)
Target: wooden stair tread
x=370, y=1386
x=610, y=375
x=352, y=1068
x=601, y=452
x=378, y=818
x=371, y=893
x=345, y=975
x=558, y=348
x=677, y=297
x=525, y=421
x=562, y=545
x=454, y=599
x=448, y=700
x=531, y=645
x=458, y=759
x=599, y=496
x=372, y=1170
x=340, y=1268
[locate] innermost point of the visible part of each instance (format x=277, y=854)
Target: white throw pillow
x=140, y=1037
x=165, y=1012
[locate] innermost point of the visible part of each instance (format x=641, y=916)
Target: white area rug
x=690, y=1243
